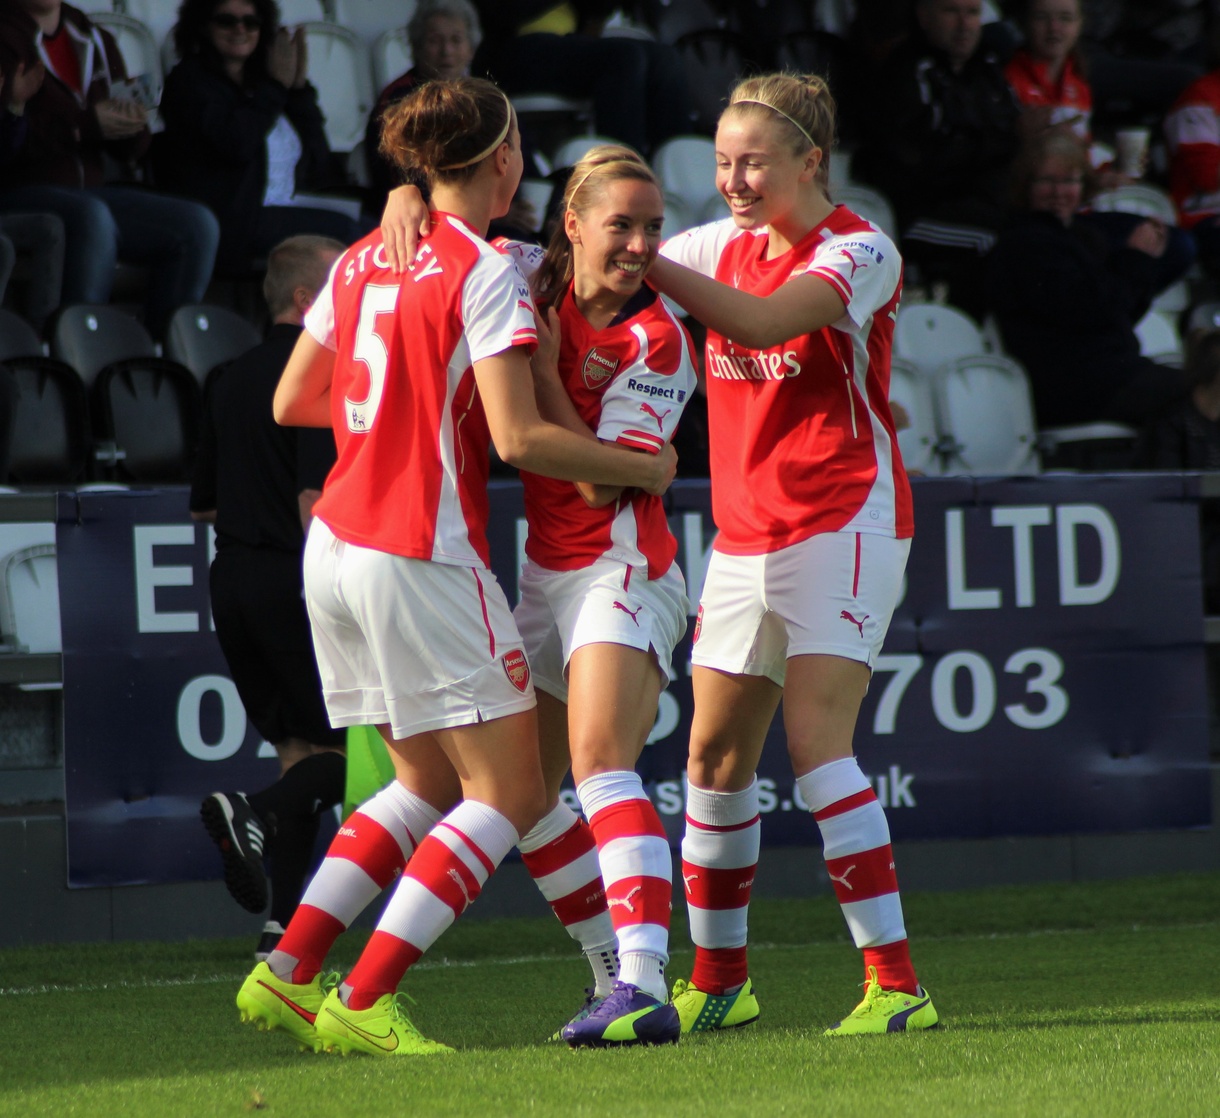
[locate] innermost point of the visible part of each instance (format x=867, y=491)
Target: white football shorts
x=417, y=644
x=832, y=594
x=606, y=603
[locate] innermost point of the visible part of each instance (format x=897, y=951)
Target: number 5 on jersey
x=370, y=350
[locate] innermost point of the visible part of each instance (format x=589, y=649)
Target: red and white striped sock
x=561, y=856
x=638, y=873
x=860, y=861
x=719, y=859
x=442, y=879
x=369, y=851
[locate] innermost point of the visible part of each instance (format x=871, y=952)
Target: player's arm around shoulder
x=524, y=439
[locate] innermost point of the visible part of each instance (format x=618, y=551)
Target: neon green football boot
x=700, y=1011
x=887, y=1011
x=271, y=1003
x=384, y=1029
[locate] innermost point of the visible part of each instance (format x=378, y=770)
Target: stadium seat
x=550, y=120
x=686, y=166
x=572, y=151
x=17, y=337
x=920, y=442
x=714, y=62
x=89, y=337
x=49, y=433
x=139, y=46
x=159, y=16
x=148, y=407
x=871, y=205
x=202, y=336
x=1159, y=339
x=678, y=216
x=714, y=209
x=29, y=600
x=931, y=334
x=371, y=19
x=339, y=70
x=391, y=56
x=987, y=415
x=673, y=20
x=1137, y=198
x=1089, y=446
x=538, y=193
x=294, y=12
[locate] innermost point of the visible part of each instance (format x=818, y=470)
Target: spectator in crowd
x=940, y=137
x=80, y=123
x=1067, y=303
x=1141, y=54
x=1049, y=78
x=444, y=34
x=243, y=130
x=37, y=236
x=257, y=482
x=1192, y=133
x=638, y=87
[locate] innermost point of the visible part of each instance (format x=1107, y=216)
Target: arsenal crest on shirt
x=516, y=668
x=598, y=368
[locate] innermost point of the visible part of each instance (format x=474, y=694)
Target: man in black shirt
x=257, y=482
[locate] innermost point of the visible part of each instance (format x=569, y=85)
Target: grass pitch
x=1097, y=999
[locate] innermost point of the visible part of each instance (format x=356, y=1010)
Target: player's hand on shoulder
x=403, y=223
x=545, y=362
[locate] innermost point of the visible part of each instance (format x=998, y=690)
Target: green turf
x=1099, y=999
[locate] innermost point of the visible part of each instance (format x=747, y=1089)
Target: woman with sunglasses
x=243, y=130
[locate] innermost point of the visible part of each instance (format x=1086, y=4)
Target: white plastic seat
x=391, y=55
x=538, y=193
x=1159, y=339
x=678, y=215
x=371, y=19
x=686, y=166
x=920, y=442
x=138, y=45
x=1137, y=198
x=714, y=209
x=932, y=334
x=293, y=12
x=573, y=150
x=339, y=70
x=29, y=600
x=987, y=415
x=159, y=16
x=870, y=204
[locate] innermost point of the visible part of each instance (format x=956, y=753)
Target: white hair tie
x=767, y=104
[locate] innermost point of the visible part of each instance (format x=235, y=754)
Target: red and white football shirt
x=1069, y=98
x=1192, y=131
x=411, y=435
x=629, y=382
x=802, y=440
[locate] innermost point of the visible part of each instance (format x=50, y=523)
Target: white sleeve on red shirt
x=320, y=318
x=863, y=267
x=642, y=405
x=527, y=257
x=700, y=248
x=497, y=308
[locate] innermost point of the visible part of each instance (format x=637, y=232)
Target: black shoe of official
x=238, y=834
x=273, y=932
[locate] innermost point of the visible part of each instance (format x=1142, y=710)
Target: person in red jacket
x=85, y=128
x=1192, y=133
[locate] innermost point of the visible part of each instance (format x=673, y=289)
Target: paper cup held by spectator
x=1132, y=145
